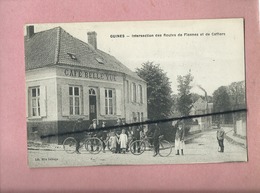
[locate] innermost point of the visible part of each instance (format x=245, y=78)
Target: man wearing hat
x=93, y=128
x=156, y=135
x=136, y=135
x=118, y=132
x=220, y=138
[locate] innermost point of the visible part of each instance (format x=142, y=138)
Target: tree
x=159, y=100
x=184, y=102
x=237, y=93
x=222, y=103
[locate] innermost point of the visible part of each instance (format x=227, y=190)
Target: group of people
x=119, y=138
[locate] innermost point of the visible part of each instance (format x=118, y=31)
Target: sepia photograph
x=135, y=92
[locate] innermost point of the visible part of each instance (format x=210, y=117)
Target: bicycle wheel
x=165, y=148
x=93, y=145
x=137, y=147
x=69, y=144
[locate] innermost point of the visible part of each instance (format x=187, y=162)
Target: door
x=92, y=104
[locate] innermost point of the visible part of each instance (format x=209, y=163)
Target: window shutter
x=102, y=101
x=27, y=94
x=118, y=102
x=65, y=100
x=85, y=100
x=43, y=108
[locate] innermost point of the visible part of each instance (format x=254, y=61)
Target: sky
x=212, y=50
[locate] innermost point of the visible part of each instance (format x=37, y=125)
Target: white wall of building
x=45, y=79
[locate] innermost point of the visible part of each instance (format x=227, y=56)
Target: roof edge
x=57, y=50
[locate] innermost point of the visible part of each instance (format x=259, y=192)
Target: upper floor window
x=140, y=93
x=35, y=101
x=127, y=91
x=72, y=56
x=133, y=92
x=74, y=100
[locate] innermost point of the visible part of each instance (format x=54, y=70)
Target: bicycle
x=138, y=147
x=91, y=143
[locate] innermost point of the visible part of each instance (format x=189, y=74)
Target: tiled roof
x=52, y=47
x=201, y=104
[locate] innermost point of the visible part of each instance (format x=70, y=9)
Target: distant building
x=201, y=107
x=67, y=79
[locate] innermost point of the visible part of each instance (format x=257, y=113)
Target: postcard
x=135, y=93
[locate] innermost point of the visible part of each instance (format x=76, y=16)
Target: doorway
x=92, y=104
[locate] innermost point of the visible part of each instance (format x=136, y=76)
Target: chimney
x=92, y=39
x=30, y=31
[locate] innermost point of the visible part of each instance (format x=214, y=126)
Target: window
x=72, y=56
x=109, y=98
x=140, y=94
x=133, y=117
x=35, y=101
x=74, y=100
x=92, y=92
x=142, y=116
x=99, y=60
x=133, y=92
x=127, y=91
x=138, y=117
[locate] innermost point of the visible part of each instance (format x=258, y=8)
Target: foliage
x=229, y=98
x=159, y=100
x=221, y=103
x=185, y=98
x=184, y=102
x=237, y=93
x=168, y=131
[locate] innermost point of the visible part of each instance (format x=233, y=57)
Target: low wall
x=241, y=128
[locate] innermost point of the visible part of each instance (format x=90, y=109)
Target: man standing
x=179, y=138
x=156, y=136
x=136, y=136
x=93, y=129
x=220, y=138
x=77, y=134
x=118, y=132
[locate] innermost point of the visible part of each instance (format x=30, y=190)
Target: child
x=113, y=142
x=123, y=141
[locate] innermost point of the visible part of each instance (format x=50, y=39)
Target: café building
x=68, y=79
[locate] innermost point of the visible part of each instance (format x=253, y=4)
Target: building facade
x=68, y=79
x=202, y=107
